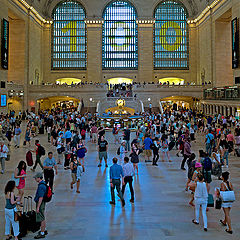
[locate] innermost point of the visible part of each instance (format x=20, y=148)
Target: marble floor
x=160, y=211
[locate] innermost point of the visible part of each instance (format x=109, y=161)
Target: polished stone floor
x=160, y=212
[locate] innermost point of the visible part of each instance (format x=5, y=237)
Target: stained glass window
x=171, y=36
x=69, y=36
x=120, y=37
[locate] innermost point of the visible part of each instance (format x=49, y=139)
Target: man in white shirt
x=128, y=173
x=3, y=154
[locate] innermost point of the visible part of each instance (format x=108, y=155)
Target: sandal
x=193, y=221
x=228, y=231
x=224, y=224
x=191, y=204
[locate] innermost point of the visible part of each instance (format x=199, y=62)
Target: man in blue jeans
x=209, y=139
x=116, y=172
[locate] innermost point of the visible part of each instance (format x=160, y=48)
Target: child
x=122, y=150
x=79, y=173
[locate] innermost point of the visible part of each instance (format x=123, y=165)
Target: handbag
x=210, y=201
x=16, y=180
x=8, y=157
x=191, y=186
x=17, y=215
x=218, y=203
x=228, y=195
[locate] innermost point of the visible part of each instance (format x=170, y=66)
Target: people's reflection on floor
x=123, y=218
x=100, y=179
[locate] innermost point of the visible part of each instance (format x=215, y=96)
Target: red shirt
x=37, y=148
x=230, y=137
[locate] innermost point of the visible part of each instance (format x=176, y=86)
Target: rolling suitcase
x=33, y=226
x=23, y=221
x=29, y=158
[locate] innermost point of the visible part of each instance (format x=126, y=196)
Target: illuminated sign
x=5, y=44
x=3, y=100
x=235, y=43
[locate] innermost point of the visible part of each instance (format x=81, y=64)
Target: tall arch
x=171, y=36
x=120, y=36
x=69, y=38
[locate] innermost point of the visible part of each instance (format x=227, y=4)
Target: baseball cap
x=198, y=165
x=38, y=175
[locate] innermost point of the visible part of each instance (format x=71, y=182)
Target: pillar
x=94, y=51
x=145, y=51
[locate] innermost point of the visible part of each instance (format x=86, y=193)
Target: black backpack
x=41, y=151
x=118, y=151
x=207, y=164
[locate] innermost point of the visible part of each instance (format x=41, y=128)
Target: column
x=94, y=50
x=145, y=50
x=224, y=111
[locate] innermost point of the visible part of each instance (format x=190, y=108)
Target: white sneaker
x=226, y=166
x=2, y=172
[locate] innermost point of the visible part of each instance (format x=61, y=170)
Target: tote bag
x=227, y=196
x=16, y=180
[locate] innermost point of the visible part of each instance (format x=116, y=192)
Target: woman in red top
x=20, y=172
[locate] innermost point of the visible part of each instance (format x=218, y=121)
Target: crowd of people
x=120, y=90
x=68, y=132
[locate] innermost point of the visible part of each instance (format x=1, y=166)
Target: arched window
x=120, y=40
x=171, y=36
x=69, y=36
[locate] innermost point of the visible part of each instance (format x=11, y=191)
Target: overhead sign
x=235, y=43
x=5, y=44
x=3, y=100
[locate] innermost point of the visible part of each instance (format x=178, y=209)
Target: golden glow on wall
x=172, y=80
x=114, y=81
x=68, y=81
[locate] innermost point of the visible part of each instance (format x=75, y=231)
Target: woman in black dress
x=134, y=157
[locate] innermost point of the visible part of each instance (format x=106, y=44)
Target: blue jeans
x=128, y=145
x=225, y=156
x=209, y=148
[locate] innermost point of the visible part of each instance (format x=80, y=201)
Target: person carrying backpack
x=209, y=142
x=207, y=170
x=40, y=151
x=40, y=204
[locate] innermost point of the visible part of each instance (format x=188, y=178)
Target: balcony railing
x=137, y=86
x=226, y=93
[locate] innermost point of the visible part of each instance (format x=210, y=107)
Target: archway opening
x=68, y=81
x=61, y=102
x=180, y=102
x=171, y=81
x=114, y=81
x=15, y=104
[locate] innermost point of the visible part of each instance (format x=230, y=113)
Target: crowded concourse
x=164, y=141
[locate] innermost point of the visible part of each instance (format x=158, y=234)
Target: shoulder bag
x=228, y=195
